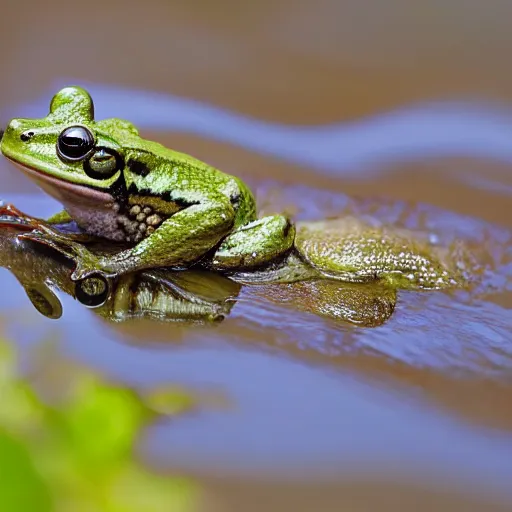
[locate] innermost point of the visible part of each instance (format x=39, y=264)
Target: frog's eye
x=75, y=143
x=103, y=164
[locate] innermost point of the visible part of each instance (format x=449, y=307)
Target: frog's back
x=185, y=171
x=241, y=197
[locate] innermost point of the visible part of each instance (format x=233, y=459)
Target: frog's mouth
x=65, y=191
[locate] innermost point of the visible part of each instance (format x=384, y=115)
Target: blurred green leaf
x=102, y=423
x=21, y=487
x=76, y=453
x=138, y=491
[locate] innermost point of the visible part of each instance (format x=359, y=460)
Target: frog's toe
x=89, y=265
x=54, y=234
x=40, y=239
x=9, y=210
x=49, y=237
x=82, y=272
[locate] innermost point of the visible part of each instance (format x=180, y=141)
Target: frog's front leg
x=255, y=244
x=180, y=240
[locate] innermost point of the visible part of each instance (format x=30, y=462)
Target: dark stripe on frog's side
x=241, y=198
x=119, y=191
x=137, y=167
x=158, y=204
x=140, y=212
x=162, y=203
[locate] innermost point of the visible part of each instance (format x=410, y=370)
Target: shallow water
x=418, y=408
x=425, y=395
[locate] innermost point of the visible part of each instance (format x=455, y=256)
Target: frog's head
x=67, y=148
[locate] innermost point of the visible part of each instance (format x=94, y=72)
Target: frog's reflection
x=186, y=296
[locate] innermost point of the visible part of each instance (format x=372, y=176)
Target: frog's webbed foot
x=45, y=234
x=11, y=216
x=35, y=230
x=37, y=237
x=87, y=264
x=10, y=209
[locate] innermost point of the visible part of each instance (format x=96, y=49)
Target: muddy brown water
x=397, y=108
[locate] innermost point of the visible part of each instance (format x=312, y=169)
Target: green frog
x=168, y=209
x=192, y=296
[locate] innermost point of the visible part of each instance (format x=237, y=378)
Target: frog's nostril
x=26, y=136
x=1, y=134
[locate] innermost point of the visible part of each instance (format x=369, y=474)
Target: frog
x=169, y=209
x=193, y=296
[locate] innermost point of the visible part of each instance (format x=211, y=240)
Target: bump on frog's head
x=72, y=105
x=68, y=145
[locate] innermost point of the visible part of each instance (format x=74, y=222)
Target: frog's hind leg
x=348, y=250
x=256, y=243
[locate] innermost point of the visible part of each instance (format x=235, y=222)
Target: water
x=419, y=406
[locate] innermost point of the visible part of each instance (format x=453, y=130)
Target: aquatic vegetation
x=67, y=441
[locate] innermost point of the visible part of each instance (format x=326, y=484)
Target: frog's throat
x=66, y=192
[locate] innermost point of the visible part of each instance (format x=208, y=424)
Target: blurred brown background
x=297, y=61
x=289, y=61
